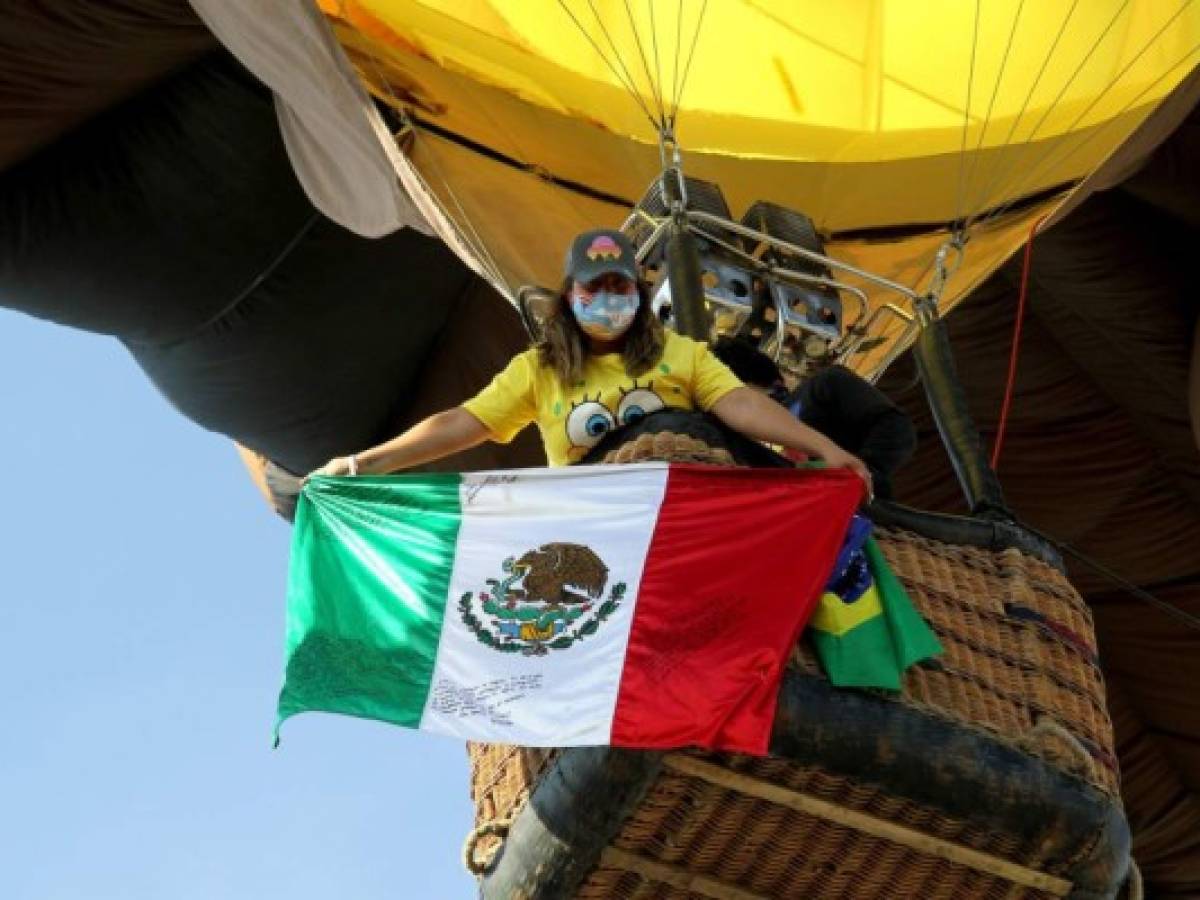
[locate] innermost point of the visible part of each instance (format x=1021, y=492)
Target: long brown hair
x=563, y=345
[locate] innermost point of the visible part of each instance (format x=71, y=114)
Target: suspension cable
x=567, y=198
x=987, y=117
x=657, y=67
x=1032, y=172
x=960, y=196
x=628, y=85
x=1100, y=130
x=1140, y=593
x=998, y=173
x=1134, y=590
x=675, y=66
x=654, y=88
x=688, y=66
x=621, y=62
x=1028, y=141
x=465, y=227
x=474, y=239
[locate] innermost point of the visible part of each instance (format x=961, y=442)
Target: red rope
x=1016, y=345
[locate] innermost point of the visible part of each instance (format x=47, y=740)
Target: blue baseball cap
x=602, y=251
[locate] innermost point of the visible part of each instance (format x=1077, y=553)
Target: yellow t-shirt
x=572, y=420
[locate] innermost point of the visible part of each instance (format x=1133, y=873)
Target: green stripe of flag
x=876, y=652
x=371, y=567
x=912, y=637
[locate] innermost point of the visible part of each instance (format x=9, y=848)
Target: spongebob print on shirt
x=573, y=419
x=590, y=419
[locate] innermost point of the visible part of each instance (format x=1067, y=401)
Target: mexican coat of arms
x=546, y=599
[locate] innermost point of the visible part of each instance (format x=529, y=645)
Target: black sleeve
x=883, y=436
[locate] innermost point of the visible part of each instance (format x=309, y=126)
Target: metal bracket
x=674, y=185
x=943, y=267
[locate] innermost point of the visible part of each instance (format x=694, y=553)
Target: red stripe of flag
x=736, y=564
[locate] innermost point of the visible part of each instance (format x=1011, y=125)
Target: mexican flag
x=649, y=605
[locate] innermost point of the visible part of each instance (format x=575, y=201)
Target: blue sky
x=141, y=635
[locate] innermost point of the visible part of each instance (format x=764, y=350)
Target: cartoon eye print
x=588, y=422
x=637, y=403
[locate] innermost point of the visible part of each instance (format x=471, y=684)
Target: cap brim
x=592, y=270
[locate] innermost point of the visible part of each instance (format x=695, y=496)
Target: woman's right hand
x=339, y=465
x=440, y=435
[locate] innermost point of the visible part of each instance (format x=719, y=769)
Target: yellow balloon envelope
x=885, y=122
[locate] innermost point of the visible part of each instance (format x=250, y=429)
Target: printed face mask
x=604, y=315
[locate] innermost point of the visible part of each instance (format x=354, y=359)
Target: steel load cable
x=1031, y=174
x=1140, y=593
x=655, y=88
x=473, y=240
x=987, y=117
x=992, y=182
x=1028, y=140
x=1032, y=171
x=960, y=194
x=628, y=85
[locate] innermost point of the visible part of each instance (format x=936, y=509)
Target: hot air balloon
x=861, y=160
x=890, y=129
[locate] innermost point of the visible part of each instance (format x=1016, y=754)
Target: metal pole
x=684, y=271
x=948, y=403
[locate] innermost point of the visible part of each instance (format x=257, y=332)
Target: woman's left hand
x=751, y=413
x=844, y=460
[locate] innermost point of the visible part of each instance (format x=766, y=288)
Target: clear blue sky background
x=141, y=638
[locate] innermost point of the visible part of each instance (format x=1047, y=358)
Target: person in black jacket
x=847, y=409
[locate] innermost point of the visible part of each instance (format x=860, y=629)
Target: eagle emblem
x=546, y=599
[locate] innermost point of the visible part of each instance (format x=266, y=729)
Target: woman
x=604, y=361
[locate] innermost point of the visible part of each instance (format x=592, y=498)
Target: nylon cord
x=251, y=286
x=1011, y=380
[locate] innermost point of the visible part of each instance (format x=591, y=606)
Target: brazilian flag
x=866, y=630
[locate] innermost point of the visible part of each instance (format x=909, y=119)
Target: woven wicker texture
x=1020, y=654
x=671, y=447
x=765, y=849
x=1019, y=663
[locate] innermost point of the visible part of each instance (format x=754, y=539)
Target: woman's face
x=605, y=307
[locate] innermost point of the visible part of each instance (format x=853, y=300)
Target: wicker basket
x=1019, y=667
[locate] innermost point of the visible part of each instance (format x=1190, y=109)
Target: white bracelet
x=352, y=464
